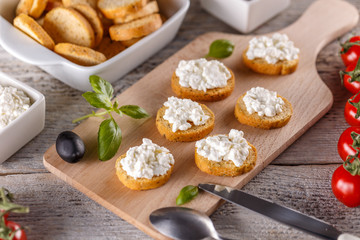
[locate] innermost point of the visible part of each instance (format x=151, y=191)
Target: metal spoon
x=183, y=223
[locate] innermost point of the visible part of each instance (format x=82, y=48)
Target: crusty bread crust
x=80, y=55
x=114, y=8
x=254, y=120
x=215, y=94
x=140, y=183
x=150, y=8
x=136, y=29
x=37, y=8
x=226, y=168
x=68, y=25
x=261, y=66
x=91, y=15
x=192, y=134
x=34, y=30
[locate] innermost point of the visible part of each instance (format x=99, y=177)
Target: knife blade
x=277, y=212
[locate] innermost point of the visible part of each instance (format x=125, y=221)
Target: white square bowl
x=244, y=15
x=28, y=125
x=26, y=49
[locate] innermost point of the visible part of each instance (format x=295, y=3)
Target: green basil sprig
x=221, y=48
x=187, y=194
x=109, y=134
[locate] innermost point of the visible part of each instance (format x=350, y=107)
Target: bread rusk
x=24, y=6
x=69, y=3
x=214, y=94
x=226, y=168
x=140, y=183
x=150, y=8
x=110, y=48
x=80, y=55
x=129, y=43
x=37, y=8
x=261, y=66
x=192, y=134
x=264, y=122
x=115, y=8
x=135, y=29
x=91, y=15
x=29, y=26
x=51, y=4
x=66, y=25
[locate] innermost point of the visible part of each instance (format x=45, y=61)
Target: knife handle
x=346, y=236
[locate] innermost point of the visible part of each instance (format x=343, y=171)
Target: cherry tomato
x=350, y=111
x=20, y=233
x=353, y=87
x=346, y=187
x=353, y=53
x=345, y=143
x=5, y=216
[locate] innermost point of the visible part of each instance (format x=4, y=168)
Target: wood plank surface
x=299, y=178
x=310, y=98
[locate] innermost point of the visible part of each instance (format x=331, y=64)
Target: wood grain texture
x=299, y=178
x=310, y=98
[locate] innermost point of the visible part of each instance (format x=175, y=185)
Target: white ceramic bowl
x=244, y=15
x=24, y=128
x=76, y=76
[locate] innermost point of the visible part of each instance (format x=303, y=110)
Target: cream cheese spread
x=147, y=160
x=182, y=113
x=272, y=49
x=13, y=103
x=233, y=147
x=201, y=74
x=263, y=101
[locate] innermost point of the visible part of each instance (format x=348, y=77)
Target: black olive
x=70, y=147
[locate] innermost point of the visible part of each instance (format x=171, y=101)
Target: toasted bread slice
x=80, y=55
x=66, y=25
x=264, y=122
x=150, y=8
x=192, y=134
x=140, y=183
x=110, y=48
x=51, y=4
x=214, y=94
x=226, y=168
x=129, y=43
x=118, y=8
x=91, y=15
x=69, y=3
x=24, y=6
x=261, y=66
x=29, y=26
x=37, y=8
x=135, y=29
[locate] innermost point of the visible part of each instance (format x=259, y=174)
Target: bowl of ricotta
x=22, y=115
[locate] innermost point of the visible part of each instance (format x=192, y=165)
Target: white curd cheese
x=13, y=103
x=201, y=74
x=263, y=101
x=224, y=148
x=147, y=160
x=182, y=113
x=274, y=49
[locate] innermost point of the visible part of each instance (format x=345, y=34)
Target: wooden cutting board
x=324, y=21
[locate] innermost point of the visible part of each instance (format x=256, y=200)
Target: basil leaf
x=109, y=139
x=100, y=85
x=187, y=194
x=221, y=48
x=134, y=111
x=98, y=100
